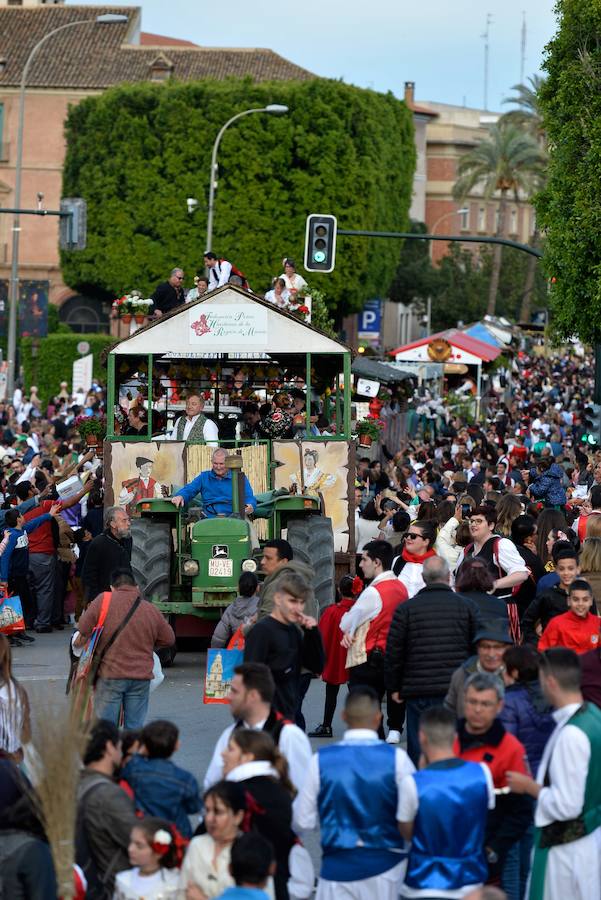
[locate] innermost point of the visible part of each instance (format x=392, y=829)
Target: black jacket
x=526, y=591
x=105, y=554
x=492, y=611
x=166, y=297
x=430, y=636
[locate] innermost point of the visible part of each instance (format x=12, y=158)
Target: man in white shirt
x=352, y=792
x=567, y=842
x=220, y=270
x=195, y=426
x=251, y=697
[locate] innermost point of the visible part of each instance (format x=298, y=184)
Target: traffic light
x=592, y=423
x=73, y=223
x=320, y=243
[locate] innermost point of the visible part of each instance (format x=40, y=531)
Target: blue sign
x=370, y=319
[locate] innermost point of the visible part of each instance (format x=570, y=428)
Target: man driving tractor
x=215, y=488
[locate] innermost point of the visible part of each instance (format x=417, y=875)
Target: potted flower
x=369, y=430
x=140, y=307
x=92, y=429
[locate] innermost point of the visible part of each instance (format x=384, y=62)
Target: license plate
x=221, y=568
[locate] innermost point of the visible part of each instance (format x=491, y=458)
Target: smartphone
x=465, y=510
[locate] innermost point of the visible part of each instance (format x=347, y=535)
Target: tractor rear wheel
x=312, y=540
x=151, y=566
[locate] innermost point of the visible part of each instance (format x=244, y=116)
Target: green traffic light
x=319, y=256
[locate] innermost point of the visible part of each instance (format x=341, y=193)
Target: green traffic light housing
x=320, y=243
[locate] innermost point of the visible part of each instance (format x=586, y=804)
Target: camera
x=191, y=203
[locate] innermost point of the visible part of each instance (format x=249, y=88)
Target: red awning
x=458, y=339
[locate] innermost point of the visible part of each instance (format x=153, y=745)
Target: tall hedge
x=136, y=153
x=569, y=211
x=54, y=360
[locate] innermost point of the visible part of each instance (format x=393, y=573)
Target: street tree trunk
x=533, y=262
x=497, y=257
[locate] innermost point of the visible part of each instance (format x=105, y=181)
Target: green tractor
x=189, y=565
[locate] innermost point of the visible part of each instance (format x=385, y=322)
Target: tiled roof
x=147, y=39
x=98, y=56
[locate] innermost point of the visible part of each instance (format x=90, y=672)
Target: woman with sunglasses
x=418, y=546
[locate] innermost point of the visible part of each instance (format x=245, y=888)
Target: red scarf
x=417, y=557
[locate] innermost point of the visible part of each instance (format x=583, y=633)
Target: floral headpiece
x=161, y=842
x=357, y=586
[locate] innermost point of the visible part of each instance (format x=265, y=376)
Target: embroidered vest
x=391, y=592
x=588, y=720
x=448, y=833
x=358, y=797
x=196, y=434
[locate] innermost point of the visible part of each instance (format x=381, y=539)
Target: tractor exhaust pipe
x=233, y=462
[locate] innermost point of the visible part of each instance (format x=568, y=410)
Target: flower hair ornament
x=161, y=842
x=357, y=586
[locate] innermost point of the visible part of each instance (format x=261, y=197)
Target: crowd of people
x=470, y=636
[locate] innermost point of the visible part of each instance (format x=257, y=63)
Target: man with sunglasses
x=169, y=294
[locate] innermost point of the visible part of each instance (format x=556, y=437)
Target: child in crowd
x=160, y=787
x=153, y=855
x=242, y=612
x=554, y=601
x=251, y=865
x=577, y=629
x=335, y=672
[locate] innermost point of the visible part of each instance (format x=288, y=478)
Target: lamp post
x=106, y=19
x=276, y=110
x=452, y=212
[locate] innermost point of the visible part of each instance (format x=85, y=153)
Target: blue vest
x=357, y=804
x=447, y=849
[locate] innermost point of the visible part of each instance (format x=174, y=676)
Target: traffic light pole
x=464, y=239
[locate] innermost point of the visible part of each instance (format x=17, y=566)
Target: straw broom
x=59, y=741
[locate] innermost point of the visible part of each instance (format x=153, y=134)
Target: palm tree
x=505, y=162
x=528, y=115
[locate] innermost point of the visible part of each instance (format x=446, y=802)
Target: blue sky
x=379, y=44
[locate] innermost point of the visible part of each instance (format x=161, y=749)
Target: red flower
x=357, y=586
x=304, y=310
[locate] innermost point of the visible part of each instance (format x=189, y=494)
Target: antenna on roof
x=486, y=36
x=523, y=48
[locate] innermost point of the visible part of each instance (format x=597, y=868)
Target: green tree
x=504, y=163
x=568, y=207
x=527, y=114
x=136, y=152
x=415, y=279
x=462, y=284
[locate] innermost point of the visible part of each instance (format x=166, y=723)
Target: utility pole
x=523, y=48
x=486, y=37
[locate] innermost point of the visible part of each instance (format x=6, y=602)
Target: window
x=514, y=221
x=465, y=220
x=482, y=219
x=15, y=2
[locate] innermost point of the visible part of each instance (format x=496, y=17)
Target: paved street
x=42, y=668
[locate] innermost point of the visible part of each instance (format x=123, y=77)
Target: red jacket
x=335, y=671
x=502, y=752
x=571, y=631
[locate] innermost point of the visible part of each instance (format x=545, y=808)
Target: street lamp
x=452, y=212
x=276, y=110
x=106, y=19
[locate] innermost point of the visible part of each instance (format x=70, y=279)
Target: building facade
x=78, y=62
x=450, y=132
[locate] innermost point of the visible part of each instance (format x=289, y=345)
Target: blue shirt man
x=215, y=488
